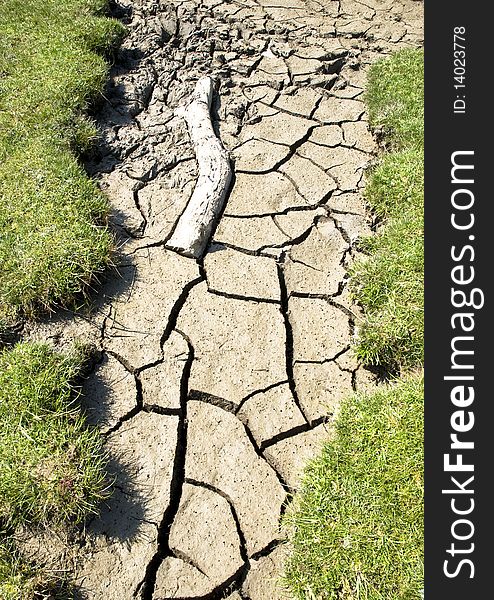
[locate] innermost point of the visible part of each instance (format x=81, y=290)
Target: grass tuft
x=395, y=98
x=358, y=519
x=51, y=464
x=19, y=580
x=389, y=282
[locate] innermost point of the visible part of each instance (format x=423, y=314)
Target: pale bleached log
x=195, y=226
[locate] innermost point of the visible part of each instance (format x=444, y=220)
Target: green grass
x=395, y=98
x=53, y=242
x=17, y=580
x=52, y=234
x=359, y=517
x=52, y=466
x=21, y=581
x=389, y=283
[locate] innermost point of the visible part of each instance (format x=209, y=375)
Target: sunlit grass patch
x=389, y=282
x=51, y=464
x=358, y=519
x=52, y=218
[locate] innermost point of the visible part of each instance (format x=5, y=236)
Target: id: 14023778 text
x=459, y=70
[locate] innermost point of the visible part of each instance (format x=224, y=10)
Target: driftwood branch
x=195, y=226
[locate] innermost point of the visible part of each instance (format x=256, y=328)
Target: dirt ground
x=219, y=378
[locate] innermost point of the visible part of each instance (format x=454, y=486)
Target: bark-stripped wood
x=194, y=228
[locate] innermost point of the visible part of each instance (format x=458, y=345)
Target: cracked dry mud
x=220, y=378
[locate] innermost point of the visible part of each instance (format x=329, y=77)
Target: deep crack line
x=222, y=590
x=266, y=551
x=177, y=307
x=291, y=151
x=261, y=391
x=187, y=559
x=289, y=336
x=134, y=411
x=240, y=533
x=146, y=588
x=294, y=241
x=257, y=300
x=329, y=298
x=285, y=435
x=142, y=227
x=200, y=396
x=281, y=213
x=323, y=360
